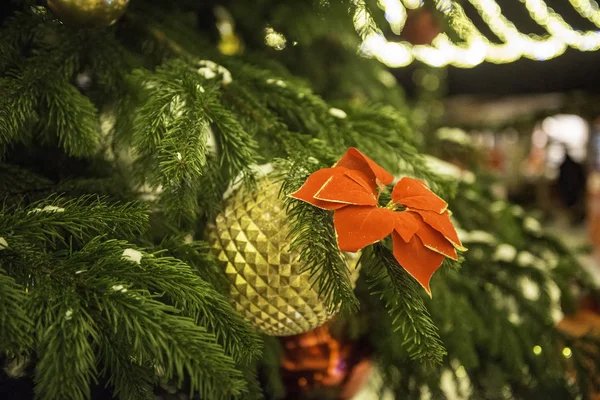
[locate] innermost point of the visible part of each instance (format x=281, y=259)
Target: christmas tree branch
x=15, y=324
x=402, y=298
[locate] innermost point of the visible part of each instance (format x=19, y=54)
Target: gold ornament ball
x=89, y=13
x=267, y=285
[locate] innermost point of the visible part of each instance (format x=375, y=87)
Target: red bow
x=422, y=234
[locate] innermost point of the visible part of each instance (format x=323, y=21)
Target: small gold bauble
x=267, y=285
x=89, y=13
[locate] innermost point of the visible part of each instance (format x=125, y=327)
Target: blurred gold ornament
x=89, y=13
x=230, y=45
x=229, y=42
x=250, y=240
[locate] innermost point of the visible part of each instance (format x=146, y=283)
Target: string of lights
x=475, y=47
x=587, y=9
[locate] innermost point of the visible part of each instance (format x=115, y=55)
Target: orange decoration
x=419, y=261
x=343, y=189
x=406, y=225
x=314, y=183
x=422, y=235
x=361, y=179
x=359, y=226
x=442, y=224
x=435, y=241
x=355, y=160
x=413, y=193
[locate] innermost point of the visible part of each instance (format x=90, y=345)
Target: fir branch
x=271, y=363
x=460, y=335
x=255, y=391
x=179, y=346
x=47, y=221
x=402, y=298
x=109, y=62
x=130, y=376
x=316, y=244
x=382, y=133
x=19, y=31
x=73, y=118
x=170, y=134
x=15, y=324
x=198, y=255
x=237, y=147
x=290, y=99
x=214, y=182
x=19, y=183
x=268, y=128
x=17, y=105
x=66, y=333
x=178, y=283
x=40, y=84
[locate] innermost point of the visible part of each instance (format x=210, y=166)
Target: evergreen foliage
x=117, y=147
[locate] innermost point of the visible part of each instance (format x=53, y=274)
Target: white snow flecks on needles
x=498, y=206
x=550, y=258
x=387, y=78
x=517, y=210
x=468, y=176
x=557, y=314
x=211, y=141
x=150, y=84
x=3, y=243
x=176, y=108
x=515, y=318
x=107, y=122
x=532, y=225
x=17, y=367
x=448, y=384
x=179, y=156
x=553, y=291
x=525, y=259
x=505, y=252
x=119, y=288
x=148, y=193
x=277, y=82
x=462, y=235
x=209, y=70
x=133, y=255
x=529, y=288
x=69, y=314
x=47, y=209
x=338, y=113
x=53, y=209
x=455, y=135
x=441, y=167
x=555, y=308
x=479, y=237
x=444, y=168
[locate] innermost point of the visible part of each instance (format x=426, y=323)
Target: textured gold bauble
x=88, y=13
x=250, y=240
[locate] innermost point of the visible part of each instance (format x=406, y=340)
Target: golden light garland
x=587, y=9
x=475, y=48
